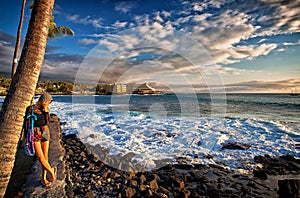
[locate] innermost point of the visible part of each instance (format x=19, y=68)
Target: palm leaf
x=55, y=31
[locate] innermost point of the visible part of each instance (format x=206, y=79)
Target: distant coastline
x=68, y=88
x=160, y=93
x=56, y=87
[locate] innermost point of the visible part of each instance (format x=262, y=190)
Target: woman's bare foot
x=53, y=177
x=46, y=183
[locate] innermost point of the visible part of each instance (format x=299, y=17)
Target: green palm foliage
x=55, y=32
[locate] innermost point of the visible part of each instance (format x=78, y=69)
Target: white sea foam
x=154, y=138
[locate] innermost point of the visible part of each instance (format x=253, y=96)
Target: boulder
x=236, y=145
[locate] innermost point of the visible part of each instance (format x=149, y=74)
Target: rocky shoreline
x=81, y=173
x=87, y=176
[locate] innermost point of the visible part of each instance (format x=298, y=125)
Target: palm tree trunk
x=22, y=87
x=18, y=41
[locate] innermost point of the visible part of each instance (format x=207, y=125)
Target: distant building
x=120, y=88
x=3, y=91
x=131, y=87
x=109, y=88
x=145, y=89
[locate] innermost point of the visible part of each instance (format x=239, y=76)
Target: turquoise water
x=160, y=127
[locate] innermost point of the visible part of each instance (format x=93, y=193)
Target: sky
x=246, y=46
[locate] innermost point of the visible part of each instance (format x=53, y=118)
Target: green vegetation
x=58, y=87
x=54, y=87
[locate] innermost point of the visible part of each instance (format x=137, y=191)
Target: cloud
x=86, y=41
x=224, y=28
x=264, y=86
x=119, y=24
x=61, y=66
x=217, y=32
x=125, y=6
x=57, y=9
x=52, y=49
x=88, y=20
x=199, y=6
x=273, y=17
x=238, y=53
x=290, y=43
x=6, y=51
x=57, y=66
x=222, y=31
x=251, y=51
x=284, y=17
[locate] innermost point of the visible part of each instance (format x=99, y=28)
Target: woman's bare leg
x=43, y=160
x=45, y=148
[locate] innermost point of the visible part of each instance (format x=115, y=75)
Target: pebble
x=89, y=177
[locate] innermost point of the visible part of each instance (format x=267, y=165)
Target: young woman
x=42, y=136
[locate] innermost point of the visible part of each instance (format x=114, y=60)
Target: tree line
x=54, y=87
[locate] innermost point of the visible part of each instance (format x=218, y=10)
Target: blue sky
x=242, y=46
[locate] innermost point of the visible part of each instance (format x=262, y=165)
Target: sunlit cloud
x=88, y=20
x=263, y=86
x=61, y=66
x=228, y=32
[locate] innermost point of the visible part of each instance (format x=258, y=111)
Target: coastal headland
x=55, y=87
x=82, y=174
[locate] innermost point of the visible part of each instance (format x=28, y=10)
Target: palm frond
x=65, y=31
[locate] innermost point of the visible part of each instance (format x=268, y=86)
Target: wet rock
x=89, y=195
x=236, y=145
x=153, y=184
x=142, y=179
x=185, y=193
x=88, y=173
x=279, y=165
x=260, y=174
x=179, y=183
x=133, y=183
x=130, y=192
x=289, y=188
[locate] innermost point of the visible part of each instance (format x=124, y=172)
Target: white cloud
x=125, y=6
x=119, y=24
x=291, y=44
x=251, y=51
x=223, y=33
x=264, y=86
x=199, y=6
x=111, y=46
x=262, y=40
x=88, y=20
x=165, y=13
x=142, y=20
x=279, y=17
x=86, y=41
x=238, y=53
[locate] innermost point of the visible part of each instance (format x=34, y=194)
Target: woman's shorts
x=41, y=134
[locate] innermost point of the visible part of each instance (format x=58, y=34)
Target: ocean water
x=157, y=129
